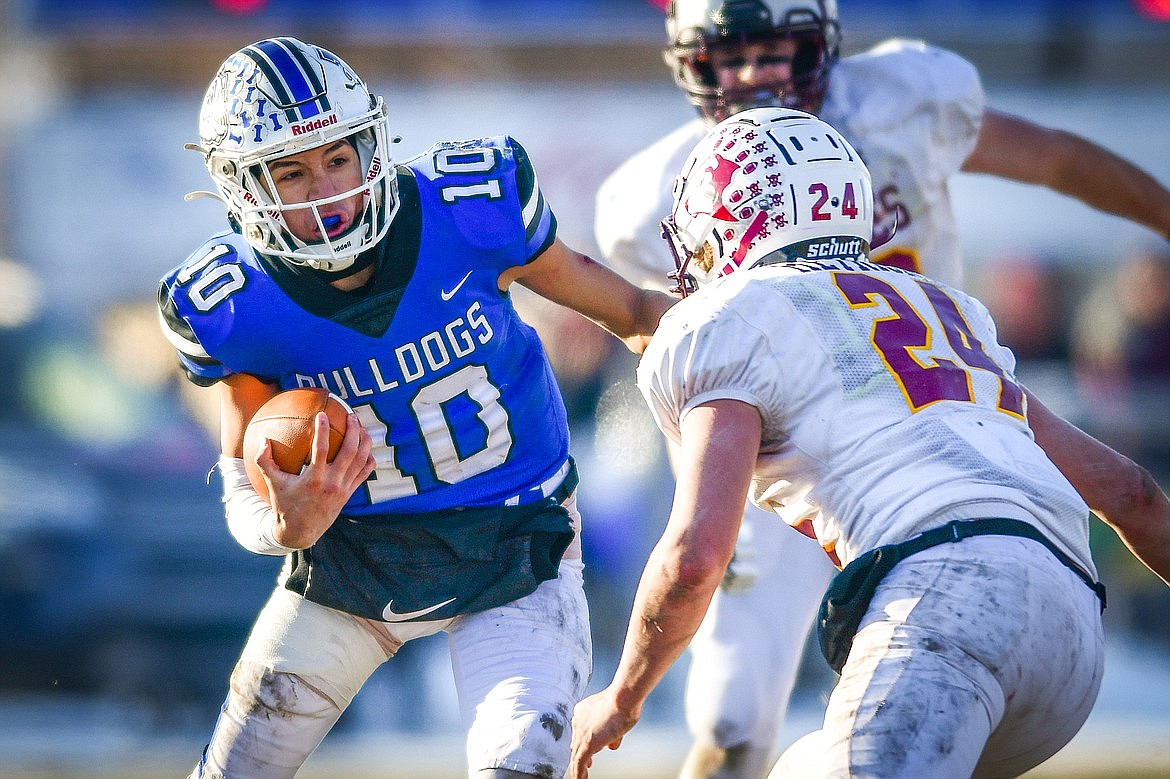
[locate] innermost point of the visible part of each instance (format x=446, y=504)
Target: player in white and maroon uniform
x=871, y=408
x=916, y=115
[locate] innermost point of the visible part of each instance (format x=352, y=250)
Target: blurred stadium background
x=123, y=601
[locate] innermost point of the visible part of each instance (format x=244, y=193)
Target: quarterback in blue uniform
x=451, y=503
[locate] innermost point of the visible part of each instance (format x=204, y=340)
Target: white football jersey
x=910, y=110
x=888, y=406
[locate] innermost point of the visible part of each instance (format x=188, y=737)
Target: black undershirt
x=370, y=309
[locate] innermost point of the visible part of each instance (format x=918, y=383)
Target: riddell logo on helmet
x=314, y=124
x=375, y=169
x=250, y=199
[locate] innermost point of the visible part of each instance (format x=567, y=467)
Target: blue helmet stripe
x=298, y=89
x=310, y=69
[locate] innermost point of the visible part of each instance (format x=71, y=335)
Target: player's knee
x=745, y=761
x=721, y=731
x=702, y=761
x=542, y=750
x=257, y=688
x=738, y=761
x=270, y=723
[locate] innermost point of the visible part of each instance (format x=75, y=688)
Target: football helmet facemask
x=696, y=28
x=277, y=97
x=764, y=186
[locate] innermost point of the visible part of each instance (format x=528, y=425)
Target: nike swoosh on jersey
x=390, y=615
x=445, y=295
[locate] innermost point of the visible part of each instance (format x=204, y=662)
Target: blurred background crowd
x=121, y=591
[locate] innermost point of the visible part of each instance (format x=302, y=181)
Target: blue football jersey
x=454, y=388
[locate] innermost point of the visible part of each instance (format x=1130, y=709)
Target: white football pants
x=519, y=670
x=980, y=658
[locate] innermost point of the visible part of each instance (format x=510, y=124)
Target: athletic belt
x=959, y=529
x=847, y=598
x=439, y=564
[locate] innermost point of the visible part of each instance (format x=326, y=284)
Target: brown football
x=287, y=420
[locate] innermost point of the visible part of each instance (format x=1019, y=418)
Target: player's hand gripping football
x=306, y=504
x=598, y=722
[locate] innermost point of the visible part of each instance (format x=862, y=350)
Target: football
x=287, y=420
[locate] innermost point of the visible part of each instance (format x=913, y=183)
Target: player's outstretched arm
x=1014, y=148
x=575, y=281
x=1116, y=488
x=720, y=441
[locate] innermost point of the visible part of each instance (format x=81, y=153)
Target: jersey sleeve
x=202, y=303
x=689, y=363
x=540, y=224
x=490, y=188
x=200, y=368
x=961, y=102
x=926, y=87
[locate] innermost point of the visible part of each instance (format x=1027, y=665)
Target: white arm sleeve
x=249, y=517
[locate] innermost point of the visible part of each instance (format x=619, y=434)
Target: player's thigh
x=958, y=644
x=519, y=671
x=1052, y=672
x=300, y=668
x=328, y=648
x=907, y=703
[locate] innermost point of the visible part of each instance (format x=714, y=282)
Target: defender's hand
x=598, y=722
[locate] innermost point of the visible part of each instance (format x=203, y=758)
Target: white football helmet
x=767, y=185
x=695, y=28
x=277, y=97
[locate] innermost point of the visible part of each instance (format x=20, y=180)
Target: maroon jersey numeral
x=905, y=341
